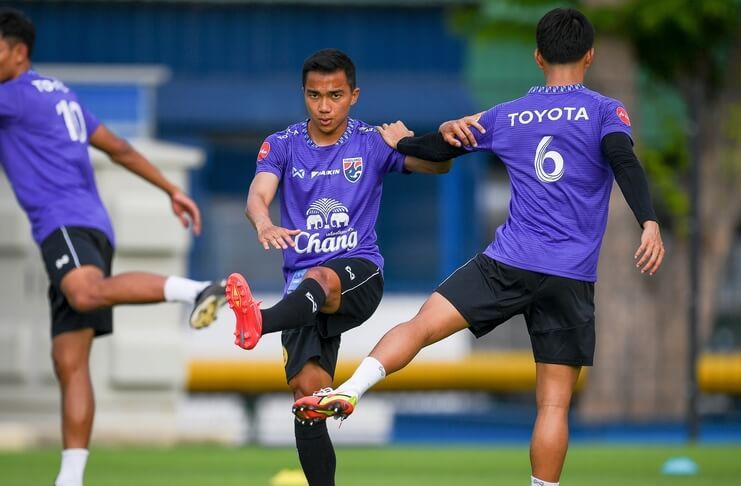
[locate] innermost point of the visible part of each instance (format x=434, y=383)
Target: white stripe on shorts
x=361, y=283
x=446, y=278
x=69, y=245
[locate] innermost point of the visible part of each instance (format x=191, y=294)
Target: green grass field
x=404, y=466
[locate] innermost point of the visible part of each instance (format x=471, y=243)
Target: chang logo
x=327, y=214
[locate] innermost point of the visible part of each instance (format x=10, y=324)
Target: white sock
x=368, y=374
x=72, y=468
x=539, y=482
x=179, y=289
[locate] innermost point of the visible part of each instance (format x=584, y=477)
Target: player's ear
x=354, y=96
x=538, y=58
x=20, y=51
x=589, y=57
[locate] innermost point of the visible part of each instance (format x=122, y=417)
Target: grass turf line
x=404, y=466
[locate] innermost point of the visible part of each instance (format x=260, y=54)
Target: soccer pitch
x=586, y=465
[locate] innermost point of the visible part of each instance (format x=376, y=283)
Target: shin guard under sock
x=316, y=453
x=296, y=309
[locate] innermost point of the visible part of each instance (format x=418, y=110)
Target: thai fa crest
x=352, y=168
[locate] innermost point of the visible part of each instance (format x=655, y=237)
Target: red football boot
x=324, y=404
x=247, y=310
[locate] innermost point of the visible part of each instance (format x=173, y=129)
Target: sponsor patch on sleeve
x=265, y=150
x=623, y=115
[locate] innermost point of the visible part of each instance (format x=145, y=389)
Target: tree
x=694, y=49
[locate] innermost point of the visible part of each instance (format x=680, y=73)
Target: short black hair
x=15, y=27
x=329, y=61
x=564, y=35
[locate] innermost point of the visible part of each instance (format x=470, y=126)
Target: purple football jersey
x=331, y=193
x=550, y=143
x=44, y=137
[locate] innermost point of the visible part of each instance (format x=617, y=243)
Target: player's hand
x=651, y=252
x=280, y=238
x=186, y=210
x=393, y=132
x=457, y=132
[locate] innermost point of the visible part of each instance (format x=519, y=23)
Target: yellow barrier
x=496, y=372
x=719, y=373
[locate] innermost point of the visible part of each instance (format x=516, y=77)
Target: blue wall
x=242, y=39
x=236, y=77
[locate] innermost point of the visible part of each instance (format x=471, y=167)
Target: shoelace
x=323, y=392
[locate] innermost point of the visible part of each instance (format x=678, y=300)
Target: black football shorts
x=362, y=288
x=559, y=311
x=67, y=248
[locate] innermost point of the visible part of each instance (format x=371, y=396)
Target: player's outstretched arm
x=262, y=192
x=392, y=133
x=457, y=132
x=122, y=153
x=429, y=148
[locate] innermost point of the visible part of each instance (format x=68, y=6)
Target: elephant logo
x=339, y=219
x=327, y=213
x=314, y=221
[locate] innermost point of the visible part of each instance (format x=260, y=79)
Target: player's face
x=328, y=98
x=12, y=59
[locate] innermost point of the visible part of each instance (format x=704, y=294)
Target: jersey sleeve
x=8, y=101
x=615, y=119
x=485, y=141
x=272, y=156
x=390, y=159
x=91, y=121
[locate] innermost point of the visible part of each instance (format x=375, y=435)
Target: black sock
x=316, y=453
x=297, y=309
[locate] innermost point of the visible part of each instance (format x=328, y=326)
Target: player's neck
x=564, y=75
x=21, y=69
x=324, y=139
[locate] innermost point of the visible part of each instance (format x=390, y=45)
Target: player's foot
x=324, y=404
x=207, y=305
x=247, y=310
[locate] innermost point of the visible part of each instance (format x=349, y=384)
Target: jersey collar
x=556, y=89
x=351, y=124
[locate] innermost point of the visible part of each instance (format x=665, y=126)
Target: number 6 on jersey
x=540, y=157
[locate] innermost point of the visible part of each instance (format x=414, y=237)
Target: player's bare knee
x=303, y=387
x=82, y=299
x=328, y=280
x=310, y=379
x=66, y=362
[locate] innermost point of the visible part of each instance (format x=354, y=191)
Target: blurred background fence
x=225, y=74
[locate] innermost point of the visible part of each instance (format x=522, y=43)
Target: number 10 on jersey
x=71, y=112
